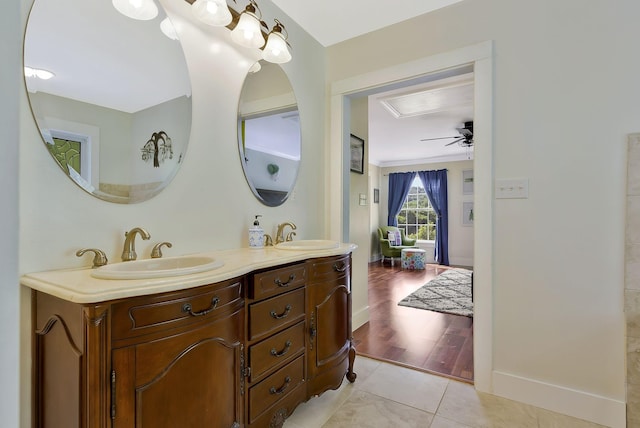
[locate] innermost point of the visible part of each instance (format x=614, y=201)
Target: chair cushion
x=391, y=236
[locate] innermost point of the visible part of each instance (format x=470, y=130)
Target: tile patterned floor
x=385, y=395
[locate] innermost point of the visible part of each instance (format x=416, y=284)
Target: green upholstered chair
x=393, y=251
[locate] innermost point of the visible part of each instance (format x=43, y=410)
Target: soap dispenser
x=256, y=234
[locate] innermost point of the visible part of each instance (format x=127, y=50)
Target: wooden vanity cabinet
x=331, y=352
x=167, y=360
x=241, y=352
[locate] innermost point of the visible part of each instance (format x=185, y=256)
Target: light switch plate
x=514, y=188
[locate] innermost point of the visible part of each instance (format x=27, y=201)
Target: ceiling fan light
x=142, y=10
x=212, y=12
x=248, y=33
x=276, y=49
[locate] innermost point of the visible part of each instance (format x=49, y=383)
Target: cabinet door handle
x=275, y=353
x=188, y=308
x=340, y=268
x=280, y=390
x=285, y=284
x=287, y=309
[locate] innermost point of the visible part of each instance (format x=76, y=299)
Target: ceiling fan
x=465, y=139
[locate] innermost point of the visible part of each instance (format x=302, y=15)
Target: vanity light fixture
x=248, y=32
x=38, y=73
x=212, y=12
x=142, y=10
x=276, y=50
x=246, y=27
x=168, y=29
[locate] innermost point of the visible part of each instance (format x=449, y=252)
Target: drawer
x=150, y=314
x=329, y=268
x=270, y=315
x=276, y=281
x=276, y=387
x=276, y=350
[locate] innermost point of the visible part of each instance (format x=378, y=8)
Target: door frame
x=337, y=175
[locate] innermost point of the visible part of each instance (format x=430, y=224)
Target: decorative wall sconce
x=157, y=148
x=246, y=27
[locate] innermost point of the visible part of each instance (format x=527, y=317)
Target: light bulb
x=276, y=50
x=212, y=12
x=247, y=33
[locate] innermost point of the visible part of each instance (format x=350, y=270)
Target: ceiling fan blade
x=454, y=141
x=440, y=138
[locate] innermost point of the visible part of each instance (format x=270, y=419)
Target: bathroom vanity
x=241, y=345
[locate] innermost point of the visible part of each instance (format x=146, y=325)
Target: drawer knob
x=188, y=308
x=340, y=267
x=287, y=309
x=285, y=284
x=275, y=353
x=280, y=390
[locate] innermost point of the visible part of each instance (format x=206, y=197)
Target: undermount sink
x=157, y=268
x=308, y=244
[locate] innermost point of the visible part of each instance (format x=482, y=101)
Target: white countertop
x=77, y=285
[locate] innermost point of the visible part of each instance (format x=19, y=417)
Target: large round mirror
x=115, y=112
x=269, y=133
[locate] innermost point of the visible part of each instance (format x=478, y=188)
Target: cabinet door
x=331, y=351
x=191, y=379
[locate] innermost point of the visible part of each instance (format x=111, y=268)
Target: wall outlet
x=514, y=188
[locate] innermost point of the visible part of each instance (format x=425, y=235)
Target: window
x=417, y=217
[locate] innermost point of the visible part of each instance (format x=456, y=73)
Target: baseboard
x=359, y=318
x=579, y=404
x=461, y=261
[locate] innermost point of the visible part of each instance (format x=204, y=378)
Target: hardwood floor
x=429, y=341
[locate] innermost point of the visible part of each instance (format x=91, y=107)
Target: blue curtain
x=435, y=184
x=399, y=186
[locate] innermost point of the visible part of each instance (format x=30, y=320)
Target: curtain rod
x=386, y=175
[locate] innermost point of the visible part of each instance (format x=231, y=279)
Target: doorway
x=338, y=198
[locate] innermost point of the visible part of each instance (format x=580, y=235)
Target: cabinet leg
x=351, y=376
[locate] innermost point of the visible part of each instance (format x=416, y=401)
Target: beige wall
x=564, y=99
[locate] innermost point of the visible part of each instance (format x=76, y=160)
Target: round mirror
x=269, y=133
x=111, y=96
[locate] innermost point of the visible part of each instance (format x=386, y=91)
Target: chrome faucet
x=129, y=252
x=280, y=232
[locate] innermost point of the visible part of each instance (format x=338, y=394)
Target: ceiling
x=334, y=21
x=392, y=141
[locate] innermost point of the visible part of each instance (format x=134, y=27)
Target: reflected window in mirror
x=269, y=135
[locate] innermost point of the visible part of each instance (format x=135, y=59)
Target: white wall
x=208, y=205
x=565, y=86
x=460, y=237
x=10, y=78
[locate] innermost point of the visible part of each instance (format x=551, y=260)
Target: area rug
x=449, y=292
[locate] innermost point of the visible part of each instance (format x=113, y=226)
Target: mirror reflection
x=269, y=133
x=115, y=114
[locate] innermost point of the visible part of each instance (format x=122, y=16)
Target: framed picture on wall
x=467, y=213
x=467, y=182
x=376, y=196
x=357, y=154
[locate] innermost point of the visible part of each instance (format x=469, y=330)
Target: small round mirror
x=269, y=133
x=115, y=110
